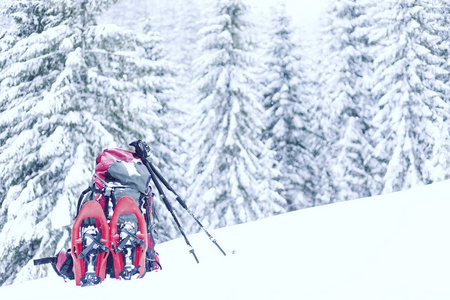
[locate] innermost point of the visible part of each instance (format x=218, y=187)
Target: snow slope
x=394, y=246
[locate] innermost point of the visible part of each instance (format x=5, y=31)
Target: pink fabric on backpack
x=105, y=160
x=61, y=259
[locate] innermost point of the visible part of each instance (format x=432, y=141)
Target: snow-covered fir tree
x=345, y=105
x=288, y=118
x=412, y=136
x=232, y=169
x=167, y=86
x=70, y=88
x=438, y=24
x=180, y=22
x=167, y=151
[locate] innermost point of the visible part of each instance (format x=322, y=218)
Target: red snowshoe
x=90, y=247
x=129, y=239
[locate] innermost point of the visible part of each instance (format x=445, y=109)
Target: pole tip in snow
x=193, y=253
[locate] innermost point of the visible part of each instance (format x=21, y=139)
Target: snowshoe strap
x=128, y=273
x=130, y=236
x=90, y=279
x=89, y=248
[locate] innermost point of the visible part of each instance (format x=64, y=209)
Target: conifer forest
x=247, y=114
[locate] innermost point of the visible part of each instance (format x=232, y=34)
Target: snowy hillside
x=394, y=246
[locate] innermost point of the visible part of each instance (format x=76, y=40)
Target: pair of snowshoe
x=124, y=241
x=113, y=233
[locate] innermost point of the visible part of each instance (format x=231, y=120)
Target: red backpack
x=120, y=192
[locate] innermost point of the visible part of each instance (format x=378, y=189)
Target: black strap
x=81, y=198
x=150, y=261
x=45, y=260
x=106, y=207
x=114, y=200
x=95, y=241
x=130, y=236
x=147, y=211
x=148, y=219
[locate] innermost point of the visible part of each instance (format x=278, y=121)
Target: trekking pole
x=149, y=166
x=183, y=204
x=142, y=151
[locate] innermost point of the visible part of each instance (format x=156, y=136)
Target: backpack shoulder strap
x=91, y=188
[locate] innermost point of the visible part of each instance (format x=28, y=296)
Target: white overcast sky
x=305, y=13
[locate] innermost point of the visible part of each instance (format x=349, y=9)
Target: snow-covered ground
x=395, y=246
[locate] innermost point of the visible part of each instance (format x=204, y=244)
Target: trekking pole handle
x=142, y=148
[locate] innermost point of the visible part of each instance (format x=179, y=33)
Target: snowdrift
x=394, y=246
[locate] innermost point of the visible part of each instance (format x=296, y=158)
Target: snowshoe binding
x=92, y=246
x=127, y=246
